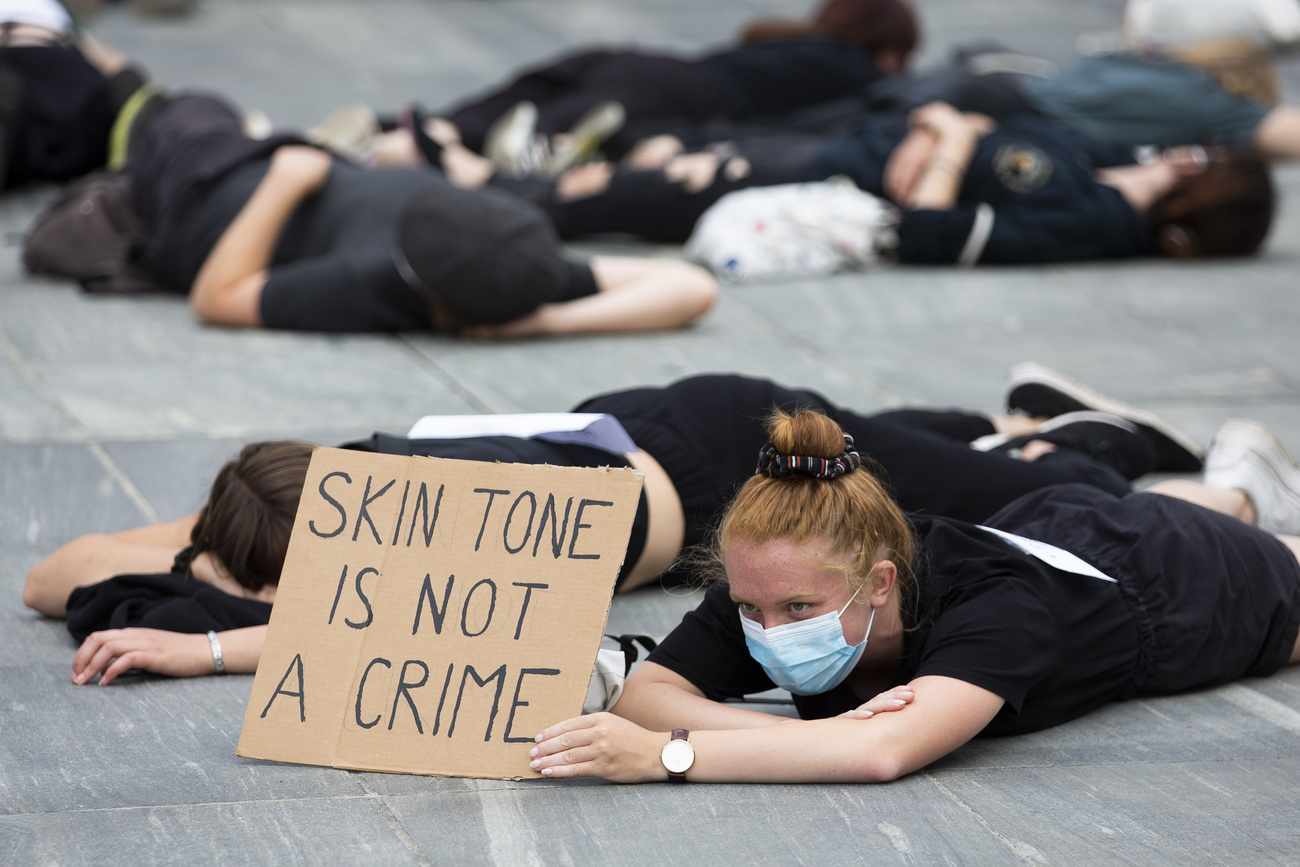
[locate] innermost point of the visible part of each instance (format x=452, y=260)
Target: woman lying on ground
x=277, y=234
x=694, y=440
x=1068, y=598
x=970, y=190
x=780, y=65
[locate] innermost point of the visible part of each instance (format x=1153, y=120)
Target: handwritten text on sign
x=434, y=615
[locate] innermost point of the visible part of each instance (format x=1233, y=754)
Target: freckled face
x=780, y=582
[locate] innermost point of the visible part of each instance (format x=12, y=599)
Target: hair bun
x=806, y=443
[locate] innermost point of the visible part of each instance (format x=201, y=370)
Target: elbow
x=700, y=290
x=203, y=309
x=879, y=769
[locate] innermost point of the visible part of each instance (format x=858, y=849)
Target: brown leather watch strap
x=678, y=735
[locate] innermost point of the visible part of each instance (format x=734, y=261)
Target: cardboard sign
x=434, y=615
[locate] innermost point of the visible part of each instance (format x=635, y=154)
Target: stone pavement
x=115, y=412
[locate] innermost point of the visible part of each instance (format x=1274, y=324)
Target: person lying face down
x=970, y=191
x=1068, y=598
x=695, y=442
x=278, y=234
x=780, y=65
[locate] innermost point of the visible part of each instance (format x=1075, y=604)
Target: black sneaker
x=1106, y=438
x=1037, y=390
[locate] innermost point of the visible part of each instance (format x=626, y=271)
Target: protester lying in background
x=971, y=190
x=1067, y=599
x=694, y=440
x=60, y=93
x=273, y=233
x=779, y=66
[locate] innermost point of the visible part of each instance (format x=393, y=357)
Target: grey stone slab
x=545, y=375
x=54, y=492
x=1202, y=812
x=255, y=389
x=1225, y=725
x=173, y=476
x=29, y=638
x=143, y=741
x=340, y=830
x=651, y=610
x=28, y=416
x=910, y=822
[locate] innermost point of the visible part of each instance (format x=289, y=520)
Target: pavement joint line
x=125, y=807
x=83, y=433
x=395, y=823
x=952, y=796
x=434, y=370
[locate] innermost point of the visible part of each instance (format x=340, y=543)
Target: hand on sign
x=600, y=745
x=891, y=699
x=115, y=651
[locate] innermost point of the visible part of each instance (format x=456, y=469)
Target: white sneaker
x=1247, y=456
x=511, y=143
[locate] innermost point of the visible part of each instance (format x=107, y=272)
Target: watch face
x=677, y=756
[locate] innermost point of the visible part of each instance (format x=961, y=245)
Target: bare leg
x=1016, y=425
x=1228, y=501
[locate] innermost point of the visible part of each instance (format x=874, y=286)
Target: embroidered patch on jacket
x=1022, y=168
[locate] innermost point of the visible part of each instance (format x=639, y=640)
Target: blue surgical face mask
x=808, y=656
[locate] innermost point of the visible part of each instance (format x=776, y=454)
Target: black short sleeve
x=582, y=282
x=708, y=649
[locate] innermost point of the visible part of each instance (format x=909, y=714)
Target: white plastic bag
x=793, y=230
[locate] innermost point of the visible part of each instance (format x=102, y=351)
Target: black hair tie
x=779, y=466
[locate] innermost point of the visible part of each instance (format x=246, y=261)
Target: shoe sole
x=1041, y=391
x=587, y=135
x=508, y=138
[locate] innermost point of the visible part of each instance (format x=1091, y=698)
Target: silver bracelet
x=216, y=653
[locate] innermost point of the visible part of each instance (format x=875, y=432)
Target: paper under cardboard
x=434, y=615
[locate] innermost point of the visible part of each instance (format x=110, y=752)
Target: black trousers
x=649, y=205
x=706, y=432
x=647, y=85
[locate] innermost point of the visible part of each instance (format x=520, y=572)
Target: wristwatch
x=678, y=755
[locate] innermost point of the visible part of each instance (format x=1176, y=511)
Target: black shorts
x=1215, y=599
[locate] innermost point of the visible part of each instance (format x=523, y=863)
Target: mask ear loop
x=870, y=622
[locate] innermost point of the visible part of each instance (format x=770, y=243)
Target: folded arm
x=95, y=557
x=228, y=288
x=633, y=295
x=114, y=652
x=943, y=715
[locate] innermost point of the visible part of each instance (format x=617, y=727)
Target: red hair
x=872, y=25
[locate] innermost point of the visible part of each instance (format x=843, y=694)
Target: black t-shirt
x=774, y=77
x=1052, y=644
x=333, y=267
x=1035, y=184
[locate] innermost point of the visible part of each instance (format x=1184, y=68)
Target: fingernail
x=538, y=739
x=898, y=701
x=866, y=714
x=532, y=754
x=546, y=772
x=535, y=764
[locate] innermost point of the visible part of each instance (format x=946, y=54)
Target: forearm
x=659, y=294
x=93, y=558
x=1278, y=135
x=941, y=177
x=663, y=706
x=228, y=286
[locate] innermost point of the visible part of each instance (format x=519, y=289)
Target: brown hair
x=1240, y=66
x=872, y=25
x=250, y=511
x=853, y=512
x=1225, y=210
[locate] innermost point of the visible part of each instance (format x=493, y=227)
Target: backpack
x=92, y=234
x=793, y=230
